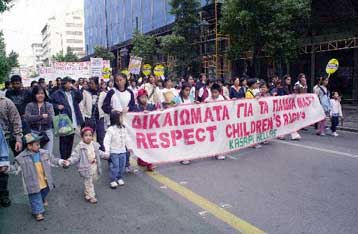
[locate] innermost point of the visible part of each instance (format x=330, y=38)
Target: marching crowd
x=95, y=110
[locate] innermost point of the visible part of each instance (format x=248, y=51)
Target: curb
x=347, y=129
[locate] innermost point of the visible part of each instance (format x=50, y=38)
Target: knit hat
x=86, y=129
x=142, y=92
x=32, y=137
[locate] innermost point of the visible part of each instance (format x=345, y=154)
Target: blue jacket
x=4, y=150
x=59, y=98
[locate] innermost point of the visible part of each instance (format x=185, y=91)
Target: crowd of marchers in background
x=95, y=109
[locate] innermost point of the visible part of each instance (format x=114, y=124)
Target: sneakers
x=185, y=162
x=130, y=170
x=120, y=182
x=39, y=217
x=92, y=200
x=220, y=157
x=335, y=134
x=113, y=185
x=258, y=146
x=45, y=202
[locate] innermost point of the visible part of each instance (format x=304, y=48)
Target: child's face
x=34, y=147
x=215, y=93
x=186, y=92
x=87, y=137
x=143, y=99
x=255, y=86
x=335, y=95
x=263, y=89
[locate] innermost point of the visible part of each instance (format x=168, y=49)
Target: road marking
x=220, y=213
x=318, y=149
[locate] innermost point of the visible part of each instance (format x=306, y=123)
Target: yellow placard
x=106, y=72
x=125, y=72
x=332, y=66
x=147, y=69
x=158, y=70
x=2, y=85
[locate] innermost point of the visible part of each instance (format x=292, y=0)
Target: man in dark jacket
x=20, y=97
x=66, y=101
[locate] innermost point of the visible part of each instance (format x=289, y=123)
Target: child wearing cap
x=143, y=106
x=35, y=167
x=87, y=156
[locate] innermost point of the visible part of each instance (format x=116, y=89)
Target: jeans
x=37, y=201
x=117, y=166
x=66, y=143
x=335, y=122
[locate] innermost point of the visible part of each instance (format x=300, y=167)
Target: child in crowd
x=336, y=112
x=215, y=91
x=215, y=95
x=87, y=157
x=35, y=167
x=253, y=85
x=115, y=145
x=251, y=93
x=264, y=90
x=143, y=106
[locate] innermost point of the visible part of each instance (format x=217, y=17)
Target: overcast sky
x=23, y=23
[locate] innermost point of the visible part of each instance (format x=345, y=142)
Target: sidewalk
x=350, y=114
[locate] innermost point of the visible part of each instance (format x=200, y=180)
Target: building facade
x=62, y=32
x=37, y=54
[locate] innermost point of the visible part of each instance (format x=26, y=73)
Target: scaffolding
x=213, y=44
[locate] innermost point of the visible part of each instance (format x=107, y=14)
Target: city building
x=62, y=32
x=333, y=33
x=37, y=54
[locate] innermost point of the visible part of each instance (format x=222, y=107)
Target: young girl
x=144, y=106
x=185, y=97
x=336, y=113
x=216, y=96
x=115, y=145
x=324, y=98
x=35, y=167
x=87, y=158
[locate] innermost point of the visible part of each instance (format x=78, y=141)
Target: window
x=73, y=25
x=78, y=33
x=76, y=49
x=74, y=41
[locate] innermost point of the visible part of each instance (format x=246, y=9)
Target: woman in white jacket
x=92, y=109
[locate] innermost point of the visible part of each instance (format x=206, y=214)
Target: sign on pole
x=96, y=67
x=135, y=64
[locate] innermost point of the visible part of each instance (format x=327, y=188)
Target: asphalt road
x=286, y=187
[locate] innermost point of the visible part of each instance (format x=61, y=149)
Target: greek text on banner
x=194, y=131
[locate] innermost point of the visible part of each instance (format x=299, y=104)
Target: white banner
x=75, y=70
x=194, y=131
